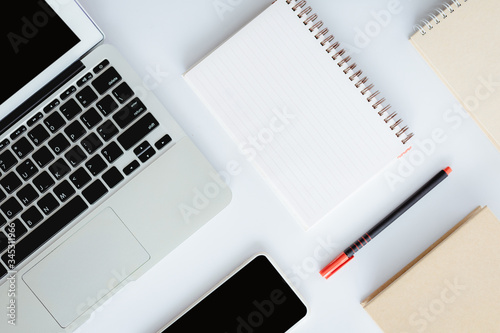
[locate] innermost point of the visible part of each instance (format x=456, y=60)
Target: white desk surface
x=163, y=38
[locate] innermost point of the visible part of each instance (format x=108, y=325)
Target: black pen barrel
x=408, y=203
x=397, y=212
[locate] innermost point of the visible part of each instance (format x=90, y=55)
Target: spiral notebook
x=299, y=109
x=460, y=43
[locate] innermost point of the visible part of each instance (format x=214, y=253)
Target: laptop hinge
x=40, y=96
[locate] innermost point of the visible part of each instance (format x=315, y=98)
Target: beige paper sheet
x=452, y=287
x=464, y=50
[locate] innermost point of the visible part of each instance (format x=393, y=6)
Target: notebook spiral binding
x=304, y=12
x=438, y=15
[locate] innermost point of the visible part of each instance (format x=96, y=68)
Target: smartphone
x=255, y=298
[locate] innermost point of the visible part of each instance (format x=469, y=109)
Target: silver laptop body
x=98, y=182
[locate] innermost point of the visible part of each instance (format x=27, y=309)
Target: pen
x=348, y=253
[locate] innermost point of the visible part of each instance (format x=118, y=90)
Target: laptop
x=97, y=181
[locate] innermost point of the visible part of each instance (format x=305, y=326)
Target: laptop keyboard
x=62, y=161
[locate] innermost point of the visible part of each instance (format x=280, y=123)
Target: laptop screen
x=34, y=37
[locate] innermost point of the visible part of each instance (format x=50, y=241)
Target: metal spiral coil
x=333, y=47
x=439, y=14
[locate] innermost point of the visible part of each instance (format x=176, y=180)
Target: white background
x=163, y=38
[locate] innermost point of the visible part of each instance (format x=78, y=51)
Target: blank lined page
x=294, y=113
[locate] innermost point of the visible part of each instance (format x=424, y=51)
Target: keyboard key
x=75, y=156
x=42, y=157
x=95, y=191
x=112, y=177
x=91, y=118
x=106, y=105
x=32, y=217
x=10, y=182
x=3, y=272
x=18, y=132
x=3, y=221
x=54, y=122
x=48, y=204
x=22, y=148
x=144, y=151
x=131, y=168
x=91, y=143
x=4, y=144
x=46, y=230
x=64, y=191
x=70, y=109
x=43, y=182
x=107, y=130
x=27, y=195
x=55, y=103
x=7, y=160
x=34, y=119
x=129, y=113
x=27, y=169
x=138, y=131
x=101, y=66
x=96, y=165
x=75, y=131
x=86, y=96
x=123, y=92
x=142, y=148
x=59, y=169
x=38, y=135
x=80, y=178
x=59, y=144
x=11, y=207
x=67, y=92
x=86, y=78
x=4, y=243
x=107, y=80
x=111, y=152
x=163, y=142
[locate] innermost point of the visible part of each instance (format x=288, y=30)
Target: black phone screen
x=256, y=299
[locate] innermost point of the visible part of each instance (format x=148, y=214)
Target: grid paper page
x=294, y=113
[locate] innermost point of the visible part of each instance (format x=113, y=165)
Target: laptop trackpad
x=86, y=267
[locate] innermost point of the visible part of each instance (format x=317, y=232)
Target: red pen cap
x=335, y=265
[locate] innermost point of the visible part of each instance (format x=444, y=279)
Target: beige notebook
x=454, y=286
x=460, y=41
x=299, y=109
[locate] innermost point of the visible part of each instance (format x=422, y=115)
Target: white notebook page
x=294, y=113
